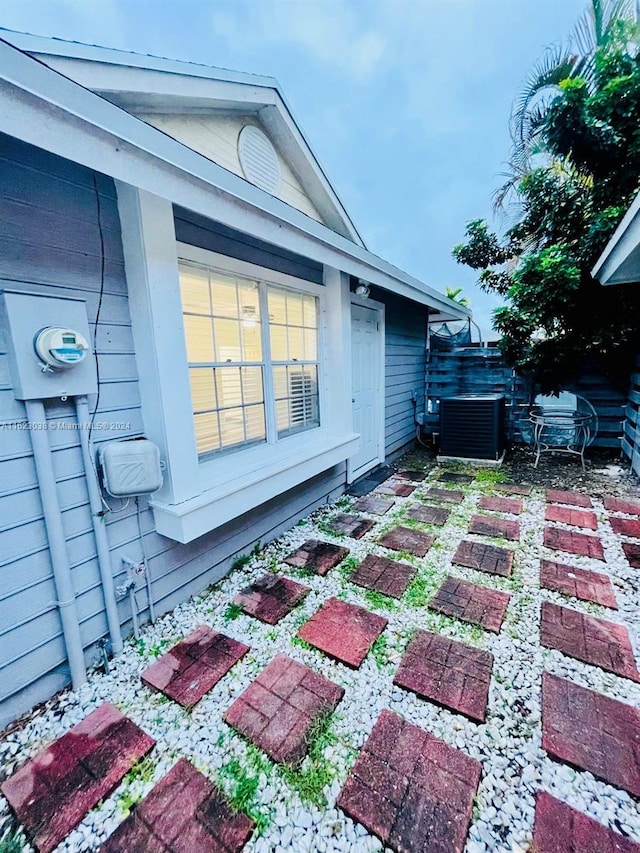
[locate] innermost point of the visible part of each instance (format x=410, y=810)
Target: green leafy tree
x=556, y=314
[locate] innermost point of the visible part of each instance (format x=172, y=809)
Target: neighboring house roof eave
x=30, y=76
x=619, y=263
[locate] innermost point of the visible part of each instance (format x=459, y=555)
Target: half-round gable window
x=258, y=159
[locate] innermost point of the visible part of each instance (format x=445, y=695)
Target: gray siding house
x=180, y=209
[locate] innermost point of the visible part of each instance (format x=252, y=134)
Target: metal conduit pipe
x=99, y=531
x=57, y=543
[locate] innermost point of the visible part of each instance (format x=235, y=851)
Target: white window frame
x=200, y=495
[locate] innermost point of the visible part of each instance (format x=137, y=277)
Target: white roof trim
x=132, y=151
x=609, y=268
x=131, y=79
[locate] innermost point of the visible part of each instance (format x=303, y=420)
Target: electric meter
x=59, y=348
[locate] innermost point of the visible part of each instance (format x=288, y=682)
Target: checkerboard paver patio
x=343, y=631
x=271, y=597
x=492, y=525
x=278, y=710
x=402, y=538
x=469, y=602
x=183, y=813
x=353, y=526
x=484, y=558
x=448, y=496
x=53, y=792
x=563, y=496
x=524, y=490
x=513, y=506
x=613, y=504
x=574, y=517
x=632, y=553
x=582, y=544
x=437, y=515
x=451, y=477
x=586, y=638
x=317, y=556
x=413, y=476
x=592, y=732
x=625, y=526
x=560, y=829
x=383, y=575
x=579, y=583
x=373, y=505
x=447, y=672
x=395, y=486
x=194, y=666
x=410, y=789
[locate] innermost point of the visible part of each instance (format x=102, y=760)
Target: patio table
x=558, y=430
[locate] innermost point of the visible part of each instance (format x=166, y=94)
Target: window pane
x=310, y=345
x=296, y=344
x=199, y=340
x=194, y=289
x=203, y=394
x=252, y=385
x=254, y=423
x=227, y=335
x=280, y=386
x=310, y=312
x=207, y=434
x=251, y=340
x=231, y=427
x=224, y=296
x=282, y=416
x=300, y=408
x=249, y=300
x=294, y=309
x=229, y=387
x=279, y=351
x=277, y=306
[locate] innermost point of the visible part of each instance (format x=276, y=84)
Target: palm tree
x=605, y=24
x=454, y=293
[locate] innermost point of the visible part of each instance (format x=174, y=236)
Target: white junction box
x=48, y=346
x=130, y=467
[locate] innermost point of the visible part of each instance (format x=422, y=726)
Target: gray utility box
x=473, y=426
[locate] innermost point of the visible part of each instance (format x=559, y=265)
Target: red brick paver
x=594, y=641
x=560, y=829
x=373, y=505
x=492, y=525
x=407, y=539
x=395, y=486
x=579, y=583
x=447, y=672
x=592, y=732
x=448, y=496
x=573, y=543
x=412, y=790
x=575, y=517
x=510, y=505
x=317, y=556
x=351, y=525
x=271, y=597
x=414, y=476
x=385, y=576
x=195, y=665
x=614, y=504
x=343, y=631
x=514, y=489
x=450, y=477
x=632, y=553
x=52, y=792
x=484, y=558
x=278, y=710
x=183, y=813
x=429, y=514
x=561, y=496
x=625, y=526
x=469, y=602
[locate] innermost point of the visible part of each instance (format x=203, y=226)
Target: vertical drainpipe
x=57, y=543
x=99, y=531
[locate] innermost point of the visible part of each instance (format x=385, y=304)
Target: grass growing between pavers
x=241, y=781
x=12, y=841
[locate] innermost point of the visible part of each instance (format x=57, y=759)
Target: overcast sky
x=405, y=102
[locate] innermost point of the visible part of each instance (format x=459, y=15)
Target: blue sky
x=405, y=102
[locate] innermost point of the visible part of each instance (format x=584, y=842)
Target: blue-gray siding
x=50, y=244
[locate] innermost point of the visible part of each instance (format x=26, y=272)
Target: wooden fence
x=631, y=437
x=482, y=370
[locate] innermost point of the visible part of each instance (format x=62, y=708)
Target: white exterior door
x=366, y=388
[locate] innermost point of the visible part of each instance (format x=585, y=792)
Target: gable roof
x=619, y=263
x=142, y=84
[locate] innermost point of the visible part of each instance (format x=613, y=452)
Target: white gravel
x=508, y=744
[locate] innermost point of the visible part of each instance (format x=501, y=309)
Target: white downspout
x=57, y=543
x=102, y=545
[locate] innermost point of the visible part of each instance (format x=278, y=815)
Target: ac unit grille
x=472, y=427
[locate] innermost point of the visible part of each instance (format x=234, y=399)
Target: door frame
x=379, y=307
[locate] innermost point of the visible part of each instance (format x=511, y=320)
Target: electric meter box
x=130, y=467
x=48, y=345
